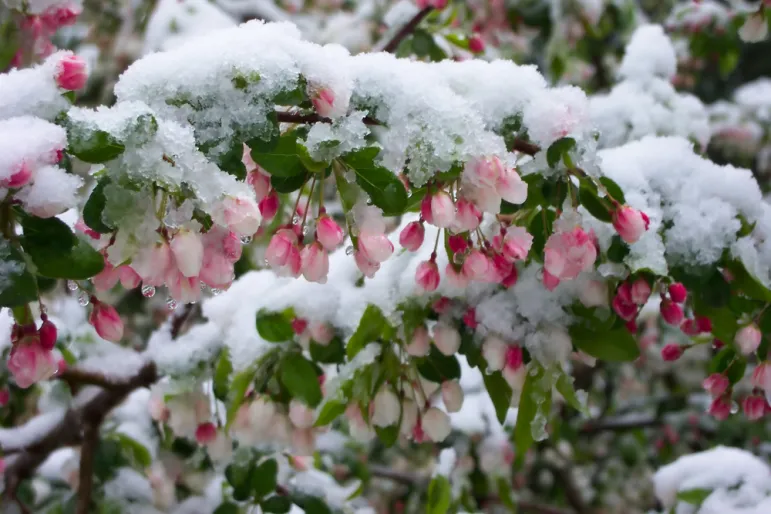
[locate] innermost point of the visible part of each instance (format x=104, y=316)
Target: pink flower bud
x=516, y=243
x=640, y=291
x=5, y=396
x=323, y=100
x=704, y=324
x=386, y=408
x=446, y=338
x=129, y=278
x=411, y=236
x=427, y=276
x=107, y=278
x=761, y=376
x=484, y=173
x=476, y=266
x=689, y=327
x=476, y=44
x=470, y=318
x=671, y=352
x=435, y=425
x=442, y=305
x=720, y=408
x=375, y=246
x=748, y=338
x=366, y=266
x=468, y=217
x=594, y=293
x=315, y=263
x=259, y=181
x=514, y=357
x=677, y=292
x=47, y=335
x=106, y=321
x=511, y=279
x=205, y=433
x=754, y=407
x=671, y=312
x=268, y=206
x=442, y=210
x=242, y=215
x=18, y=178
x=183, y=289
x=622, y=304
x=30, y=363
x=511, y=187
x=217, y=270
x=454, y=278
x=420, y=344
x=457, y=243
x=452, y=395
x=301, y=415
x=716, y=384
x=630, y=223
x=550, y=282
x=755, y=28
x=321, y=332
x=568, y=253
x=152, y=263
x=280, y=251
x=329, y=233
x=299, y=325
x=231, y=247
x=494, y=350
x=71, y=72
x=187, y=248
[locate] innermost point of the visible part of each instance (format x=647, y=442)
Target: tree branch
x=86, y=471
x=405, y=31
x=618, y=425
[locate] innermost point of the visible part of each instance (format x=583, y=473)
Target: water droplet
x=538, y=427
x=171, y=303
x=734, y=407
x=245, y=240
x=72, y=285
x=83, y=299
x=265, y=262
x=349, y=250
x=43, y=309
x=295, y=219
x=215, y=291
x=148, y=291
x=307, y=229
x=457, y=258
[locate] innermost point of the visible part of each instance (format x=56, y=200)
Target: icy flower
x=30, y=363
x=446, y=338
x=511, y=187
x=301, y=415
x=671, y=352
x=671, y=312
x=427, y=276
x=421, y=342
x=206, y=433
x=677, y=292
x=329, y=233
x=386, y=408
x=129, y=278
x=47, y=333
x=231, y=247
x=594, y=293
x=242, y=215
x=550, y=282
x=754, y=407
x=19, y=178
x=516, y=243
x=106, y=321
x=514, y=357
x=720, y=408
x=484, y=172
x=640, y=291
x=455, y=278
x=411, y=236
x=716, y=384
x=410, y=413
x=187, y=248
x=748, y=338
x=623, y=304
x=630, y=223
x=438, y=209
x=152, y=263
x=435, y=425
x=568, y=253
x=755, y=28
x=467, y=216
x=107, y=278
x=452, y=395
x=323, y=100
x=71, y=72
x=315, y=263
x=476, y=266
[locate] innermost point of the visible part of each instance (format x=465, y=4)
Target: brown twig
x=86, y=471
x=293, y=117
x=405, y=31
x=618, y=425
x=179, y=320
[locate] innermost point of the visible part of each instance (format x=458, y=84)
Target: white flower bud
x=494, y=352
x=386, y=408
x=303, y=442
x=409, y=417
x=436, y=424
x=420, y=344
x=446, y=338
x=301, y=415
x=594, y=293
x=755, y=28
x=452, y=395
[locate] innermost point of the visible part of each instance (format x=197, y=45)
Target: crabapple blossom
x=152, y=263
x=71, y=73
x=323, y=100
x=671, y=312
x=366, y=266
x=720, y=408
x=568, y=253
x=386, y=408
x=446, y=338
x=242, y=215
x=671, y=352
x=435, y=424
x=623, y=304
x=677, y=292
x=716, y=384
x=420, y=344
x=748, y=338
x=640, y=291
x=47, y=333
x=315, y=263
x=484, y=172
x=106, y=320
x=594, y=293
x=329, y=233
x=269, y=205
x=452, y=395
x=205, y=433
x=375, y=246
x=754, y=407
x=29, y=362
x=321, y=332
x=438, y=209
x=516, y=243
x=476, y=44
x=21, y=177
x=411, y=236
x=410, y=413
x=301, y=415
x=427, y=276
x=630, y=223
x=511, y=187
x=761, y=376
x=494, y=351
x=282, y=253
x=476, y=266
x=187, y=248
x=755, y=28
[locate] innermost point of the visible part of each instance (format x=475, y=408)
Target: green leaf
x=438, y=367
x=276, y=504
x=598, y=207
x=613, y=189
x=231, y=162
x=282, y=160
x=694, y=496
x=289, y=184
x=541, y=228
x=415, y=199
x=747, y=283
x=349, y=193
x=274, y=327
x=612, y=345
x=136, y=451
x=370, y=329
x=238, y=474
x=618, y=249
x=565, y=388
x=383, y=187
x=555, y=152
x=19, y=286
x=528, y=409
x=222, y=372
x=388, y=435
x=264, y=478
x=227, y=508
x=237, y=392
x=330, y=411
x=500, y=393
x=299, y=377
x=331, y=353
x=313, y=505
x=93, y=146
x=308, y=161
x=56, y=251
x=10, y=36
x=92, y=211
x=439, y=495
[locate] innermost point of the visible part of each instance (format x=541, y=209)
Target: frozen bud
x=671, y=312
x=671, y=352
x=71, y=72
x=386, y=408
x=494, y=351
x=242, y=215
x=268, y=206
x=231, y=247
x=315, y=263
x=411, y=236
x=640, y=291
x=716, y=384
x=427, y=276
x=516, y=243
x=18, y=178
x=367, y=267
x=568, y=253
x=107, y=278
x=761, y=376
x=511, y=187
x=303, y=442
x=594, y=293
x=157, y=408
x=30, y=363
x=748, y=338
x=329, y=233
x=511, y=279
x=442, y=210
x=476, y=266
x=630, y=223
x=410, y=413
x=205, y=433
x=755, y=28
x=301, y=415
x=299, y=325
x=106, y=320
x=47, y=334
x=446, y=338
x=323, y=100
x=452, y=395
x=476, y=44
x=468, y=217
x=152, y=263
x=689, y=327
x=435, y=425
x=321, y=332
x=677, y=292
x=754, y=407
x=187, y=248
x=484, y=173
x=375, y=246
x=280, y=248
x=420, y=344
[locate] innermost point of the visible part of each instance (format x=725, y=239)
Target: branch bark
x=405, y=31
x=86, y=471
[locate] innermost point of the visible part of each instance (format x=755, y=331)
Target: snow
x=648, y=54
x=175, y=21
x=178, y=357
x=32, y=91
x=129, y=485
x=17, y=438
x=9, y=271
x=446, y=462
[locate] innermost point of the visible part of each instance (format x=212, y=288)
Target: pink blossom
x=511, y=187
x=129, y=278
x=704, y=324
x=47, y=334
x=720, y=408
x=500, y=268
x=640, y=291
x=259, y=181
x=366, y=266
x=427, y=276
x=18, y=178
x=183, y=289
x=452, y=395
x=754, y=407
x=755, y=28
x=152, y=263
x=435, y=424
x=29, y=363
x=231, y=246
x=321, y=332
x=716, y=384
x=55, y=17
x=323, y=100
x=420, y=344
x=455, y=278
x=315, y=263
x=457, y=243
x=476, y=44
x=484, y=172
x=550, y=282
x=442, y=305
x=187, y=248
x=514, y=357
x=106, y=321
x=282, y=250
x=594, y=293
x=411, y=236
x=511, y=279
x=689, y=327
x=446, y=338
x=495, y=351
x=442, y=210
x=623, y=304
x=329, y=233
x=630, y=223
x=677, y=292
x=242, y=215
x=476, y=266
x=516, y=243
x=375, y=246
x=107, y=278
x=671, y=312
x=71, y=72
x=761, y=376
x=268, y=206
x=299, y=325
x=301, y=415
x=217, y=270
x=205, y=433
x=5, y=396
x=748, y=338
x=470, y=318
x=467, y=216
x=568, y=253
x=671, y=352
